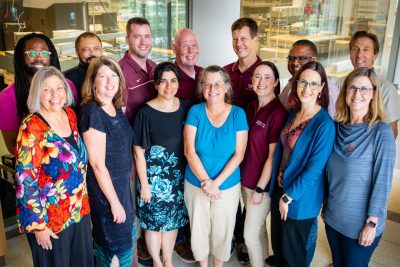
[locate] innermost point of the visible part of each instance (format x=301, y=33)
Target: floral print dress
x=50, y=176
x=161, y=135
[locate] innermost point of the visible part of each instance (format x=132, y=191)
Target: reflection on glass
x=327, y=23
x=107, y=18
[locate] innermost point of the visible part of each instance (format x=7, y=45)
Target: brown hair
x=371, y=36
x=89, y=88
x=323, y=100
x=249, y=22
x=137, y=21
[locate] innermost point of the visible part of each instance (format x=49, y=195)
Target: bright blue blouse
x=215, y=146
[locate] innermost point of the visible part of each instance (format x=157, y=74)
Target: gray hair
x=225, y=77
x=37, y=86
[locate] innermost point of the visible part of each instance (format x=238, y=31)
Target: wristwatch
x=285, y=199
x=259, y=190
x=371, y=223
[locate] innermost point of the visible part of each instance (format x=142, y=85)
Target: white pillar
x=211, y=22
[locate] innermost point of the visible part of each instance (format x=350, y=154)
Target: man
x=244, y=43
x=301, y=52
x=87, y=46
x=32, y=52
x=364, y=50
x=186, y=50
x=136, y=67
x=138, y=71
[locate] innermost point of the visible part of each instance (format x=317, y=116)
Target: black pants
x=289, y=238
x=183, y=234
x=74, y=247
x=276, y=227
x=295, y=237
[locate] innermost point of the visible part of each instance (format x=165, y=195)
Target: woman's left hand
x=256, y=198
x=367, y=236
x=283, y=209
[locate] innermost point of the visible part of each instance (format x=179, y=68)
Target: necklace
x=216, y=119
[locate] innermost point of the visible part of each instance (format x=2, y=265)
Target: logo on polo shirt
x=258, y=122
x=249, y=87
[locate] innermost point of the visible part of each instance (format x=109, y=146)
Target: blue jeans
x=346, y=251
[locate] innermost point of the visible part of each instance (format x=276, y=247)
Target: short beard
x=31, y=71
x=87, y=62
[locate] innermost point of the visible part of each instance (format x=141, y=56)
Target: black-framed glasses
x=363, y=90
x=313, y=85
x=301, y=59
x=33, y=53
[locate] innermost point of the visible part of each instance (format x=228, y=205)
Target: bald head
x=186, y=49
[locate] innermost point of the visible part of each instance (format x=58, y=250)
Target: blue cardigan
x=303, y=178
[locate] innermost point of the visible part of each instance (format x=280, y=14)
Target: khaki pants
x=255, y=231
x=211, y=220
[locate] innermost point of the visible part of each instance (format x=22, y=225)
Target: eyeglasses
x=303, y=84
x=33, y=53
x=217, y=85
x=363, y=90
x=301, y=59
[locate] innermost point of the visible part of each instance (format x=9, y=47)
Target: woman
x=359, y=171
x=160, y=163
x=52, y=200
x=109, y=140
x=266, y=117
x=215, y=137
x=297, y=184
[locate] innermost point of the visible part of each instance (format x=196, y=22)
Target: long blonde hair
x=375, y=110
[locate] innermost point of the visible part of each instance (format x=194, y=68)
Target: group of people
x=197, y=141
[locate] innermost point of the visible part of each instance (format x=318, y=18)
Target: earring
x=319, y=95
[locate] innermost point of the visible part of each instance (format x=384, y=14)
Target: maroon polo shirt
x=265, y=126
x=188, y=86
x=242, y=87
x=139, y=84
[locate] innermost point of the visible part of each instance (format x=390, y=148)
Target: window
x=327, y=23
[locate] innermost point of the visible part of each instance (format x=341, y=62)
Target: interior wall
x=211, y=22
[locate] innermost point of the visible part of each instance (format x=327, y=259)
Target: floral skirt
x=166, y=210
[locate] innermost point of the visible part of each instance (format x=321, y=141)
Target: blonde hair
x=37, y=86
x=89, y=88
x=375, y=110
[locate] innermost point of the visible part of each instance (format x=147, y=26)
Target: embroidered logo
x=258, y=122
x=350, y=148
